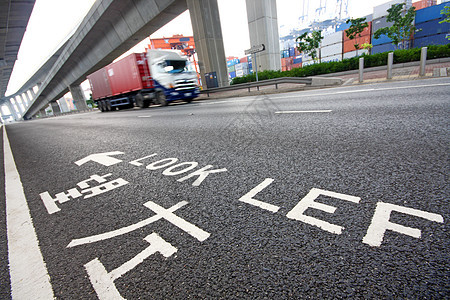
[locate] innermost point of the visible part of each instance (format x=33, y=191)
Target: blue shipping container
x=342, y=27
x=297, y=60
x=383, y=48
x=438, y=39
x=383, y=39
x=291, y=52
x=232, y=75
x=432, y=28
x=430, y=13
x=232, y=62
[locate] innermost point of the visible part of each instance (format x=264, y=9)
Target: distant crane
x=321, y=9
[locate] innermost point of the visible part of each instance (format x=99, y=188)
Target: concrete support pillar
x=42, y=113
x=55, y=108
x=263, y=29
x=63, y=105
x=208, y=39
x=78, y=97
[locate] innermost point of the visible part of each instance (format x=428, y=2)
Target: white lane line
x=303, y=111
x=28, y=272
x=302, y=94
x=364, y=90
x=144, y=116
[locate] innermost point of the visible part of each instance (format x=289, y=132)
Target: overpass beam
x=263, y=29
x=78, y=97
x=27, y=101
x=208, y=39
x=12, y=110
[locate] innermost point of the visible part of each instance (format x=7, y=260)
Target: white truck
x=141, y=79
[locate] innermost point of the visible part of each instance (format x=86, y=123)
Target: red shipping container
x=129, y=74
x=99, y=84
x=295, y=66
x=367, y=31
x=244, y=59
x=350, y=44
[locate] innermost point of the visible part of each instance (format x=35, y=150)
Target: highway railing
x=258, y=84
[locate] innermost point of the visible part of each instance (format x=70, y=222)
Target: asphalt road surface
x=332, y=193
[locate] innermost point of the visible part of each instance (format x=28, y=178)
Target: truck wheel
x=100, y=106
x=161, y=99
x=108, y=105
x=141, y=102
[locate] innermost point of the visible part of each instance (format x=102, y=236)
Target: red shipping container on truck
x=129, y=74
x=99, y=84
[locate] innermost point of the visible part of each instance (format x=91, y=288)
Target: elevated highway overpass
x=111, y=27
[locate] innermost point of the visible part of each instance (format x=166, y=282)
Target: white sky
x=52, y=21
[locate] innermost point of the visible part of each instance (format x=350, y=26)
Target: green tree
x=400, y=32
x=446, y=12
x=357, y=26
x=309, y=43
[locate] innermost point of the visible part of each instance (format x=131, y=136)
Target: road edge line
x=27, y=269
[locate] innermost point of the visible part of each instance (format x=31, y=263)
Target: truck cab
x=173, y=76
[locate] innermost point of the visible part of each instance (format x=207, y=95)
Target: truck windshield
x=176, y=66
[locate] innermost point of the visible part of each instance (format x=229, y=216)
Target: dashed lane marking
x=303, y=111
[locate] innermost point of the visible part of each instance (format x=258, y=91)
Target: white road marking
x=103, y=282
x=144, y=116
x=380, y=222
x=101, y=158
x=365, y=90
x=304, y=94
x=248, y=198
x=303, y=111
x=297, y=213
x=28, y=272
x=124, y=230
x=189, y=228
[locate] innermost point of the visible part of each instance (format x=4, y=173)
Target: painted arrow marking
x=101, y=158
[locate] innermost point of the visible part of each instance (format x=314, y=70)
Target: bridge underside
x=110, y=29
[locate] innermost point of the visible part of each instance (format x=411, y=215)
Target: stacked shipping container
x=331, y=49
x=349, y=45
x=431, y=32
x=338, y=46
x=383, y=43
x=239, y=67
x=290, y=58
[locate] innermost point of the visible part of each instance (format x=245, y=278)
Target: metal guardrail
x=249, y=85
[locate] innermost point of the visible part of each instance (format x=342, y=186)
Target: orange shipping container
x=286, y=62
x=350, y=44
x=423, y=4
x=367, y=31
